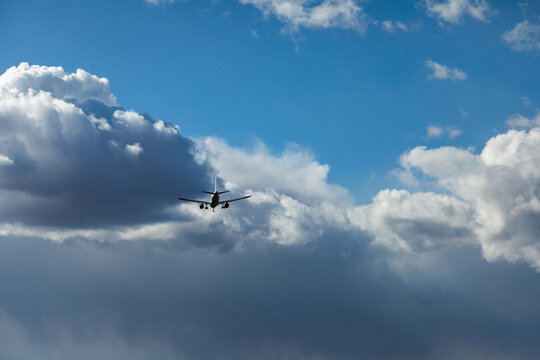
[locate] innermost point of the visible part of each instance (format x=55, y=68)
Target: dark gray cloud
x=79, y=160
x=334, y=298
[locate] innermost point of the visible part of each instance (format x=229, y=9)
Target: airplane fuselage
x=214, y=200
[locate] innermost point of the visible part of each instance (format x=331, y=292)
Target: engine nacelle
x=201, y=206
x=226, y=206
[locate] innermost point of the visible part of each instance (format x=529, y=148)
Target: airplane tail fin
x=215, y=189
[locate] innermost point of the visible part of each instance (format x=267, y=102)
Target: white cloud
x=345, y=14
x=393, y=26
x=130, y=118
x=415, y=222
x=80, y=85
x=526, y=101
x=501, y=187
x=520, y=121
x=453, y=11
x=134, y=149
x=434, y=131
x=4, y=160
x=167, y=128
x=294, y=172
x=157, y=2
x=442, y=72
x=523, y=37
x=453, y=133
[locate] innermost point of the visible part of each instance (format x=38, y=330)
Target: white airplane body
x=214, y=199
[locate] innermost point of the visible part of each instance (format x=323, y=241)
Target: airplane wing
x=196, y=201
x=231, y=200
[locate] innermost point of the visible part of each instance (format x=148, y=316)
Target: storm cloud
x=335, y=298
x=78, y=160
x=98, y=259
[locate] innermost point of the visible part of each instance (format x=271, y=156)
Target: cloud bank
x=90, y=226
x=74, y=163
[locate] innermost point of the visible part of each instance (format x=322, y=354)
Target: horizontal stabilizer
x=223, y=192
x=208, y=192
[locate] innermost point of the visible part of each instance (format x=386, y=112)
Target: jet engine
x=201, y=206
x=226, y=205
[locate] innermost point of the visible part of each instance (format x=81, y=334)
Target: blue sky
x=356, y=100
x=390, y=148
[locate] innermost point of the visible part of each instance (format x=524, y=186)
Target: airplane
x=214, y=199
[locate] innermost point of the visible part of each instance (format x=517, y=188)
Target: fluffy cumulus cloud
x=523, y=37
x=416, y=222
x=520, y=121
x=78, y=165
x=99, y=259
x=345, y=14
x=71, y=155
x=501, y=186
x=453, y=11
x=443, y=72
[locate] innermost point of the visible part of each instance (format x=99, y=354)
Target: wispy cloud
x=443, y=72
x=156, y=2
x=523, y=37
x=393, y=26
x=453, y=133
x=453, y=11
x=434, y=131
